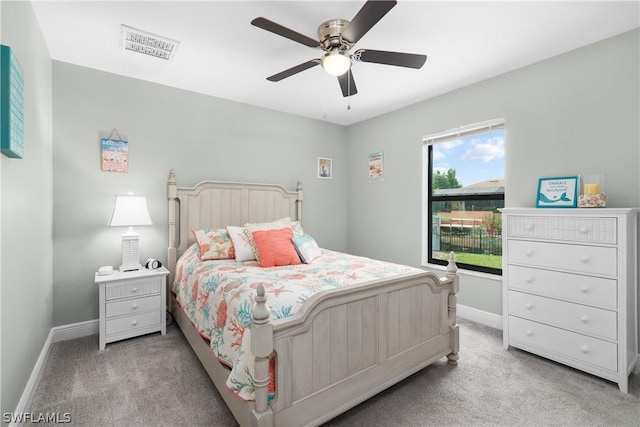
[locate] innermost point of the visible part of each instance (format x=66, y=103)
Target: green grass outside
x=491, y=261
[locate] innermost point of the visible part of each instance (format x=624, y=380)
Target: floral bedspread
x=218, y=297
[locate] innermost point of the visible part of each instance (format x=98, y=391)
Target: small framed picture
x=324, y=168
x=561, y=192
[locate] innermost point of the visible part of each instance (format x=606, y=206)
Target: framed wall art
x=561, y=192
x=12, y=101
x=376, y=167
x=114, y=153
x=324, y=168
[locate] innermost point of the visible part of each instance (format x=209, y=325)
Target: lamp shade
x=129, y=211
x=335, y=63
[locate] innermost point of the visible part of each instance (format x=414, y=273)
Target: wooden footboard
x=349, y=344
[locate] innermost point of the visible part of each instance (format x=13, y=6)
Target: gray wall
x=201, y=137
x=575, y=113
x=26, y=212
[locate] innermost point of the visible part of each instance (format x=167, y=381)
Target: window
x=464, y=182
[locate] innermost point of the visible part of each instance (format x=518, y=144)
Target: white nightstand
x=132, y=304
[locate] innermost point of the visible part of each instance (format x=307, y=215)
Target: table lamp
x=130, y=211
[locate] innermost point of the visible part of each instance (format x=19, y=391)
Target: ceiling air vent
x=147, y=43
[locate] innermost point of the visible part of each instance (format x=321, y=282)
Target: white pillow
x=307, y=248
x=241, y=244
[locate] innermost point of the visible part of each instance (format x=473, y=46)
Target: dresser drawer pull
x=134, y=322
x=584, y=230
x=584, y=259
x=584, y=289
x=134, y=290
x=584, y=349
x=528, y=279
x=584, y=319
x=134, y=306
x=529, y=252
x=529, y=332
x=528, y=227
x=528, y=306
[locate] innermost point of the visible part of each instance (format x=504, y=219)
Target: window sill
x=463, y=272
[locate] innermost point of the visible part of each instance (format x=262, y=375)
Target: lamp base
x=130, y=254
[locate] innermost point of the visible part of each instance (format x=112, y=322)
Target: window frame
x=428, y=197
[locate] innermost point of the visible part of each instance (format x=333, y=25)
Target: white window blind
x=463, y=131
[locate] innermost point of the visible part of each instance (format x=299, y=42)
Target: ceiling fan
x=337, y=37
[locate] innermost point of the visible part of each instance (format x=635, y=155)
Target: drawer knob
x=584, y=259
x=134, y=306
x=528, y=306
x=584, y=230
x=584, y=349
x=528, y=227
x=134, y=289
x=584, y=289
x=528, y=279
x=584, y=319
x=529, y=252
x=134, y=322
x=529, y=332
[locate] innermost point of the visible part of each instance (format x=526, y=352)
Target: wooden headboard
x=215, y=204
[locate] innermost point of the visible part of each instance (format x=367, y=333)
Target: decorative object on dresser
x=592, y=191
x=570, y=287
x=561, y=192
x=128, y=211
x=131, y=304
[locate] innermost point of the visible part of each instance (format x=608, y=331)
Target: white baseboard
x=479, y=316
x=58, y=333
x=75, y=330
x=32, y=385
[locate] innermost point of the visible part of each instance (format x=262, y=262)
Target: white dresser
x=570, y=284
x=131, y=304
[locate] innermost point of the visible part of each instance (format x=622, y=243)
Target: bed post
x=262, y=347
x=452, y=273
x=299, y=202
x=172, y=251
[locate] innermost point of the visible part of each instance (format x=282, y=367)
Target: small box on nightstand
x=132, y=303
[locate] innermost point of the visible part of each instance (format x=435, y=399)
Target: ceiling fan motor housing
x=330, y=35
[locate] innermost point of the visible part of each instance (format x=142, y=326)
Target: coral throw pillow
x=276, y=247
x=213, y=244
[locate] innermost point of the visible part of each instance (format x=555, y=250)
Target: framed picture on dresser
x=560, y=192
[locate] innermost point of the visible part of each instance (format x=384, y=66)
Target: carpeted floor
x=157, y=381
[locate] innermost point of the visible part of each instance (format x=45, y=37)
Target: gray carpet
x=157, y=381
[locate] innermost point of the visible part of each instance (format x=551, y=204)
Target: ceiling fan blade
x=293, y=70
x=278, y=29
x=347, y=84
x=409, y=60
x=366, y=18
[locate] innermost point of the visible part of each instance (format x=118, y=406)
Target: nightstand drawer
x=578, y=258
x=549, y=342
x=136, y=321
x=566, y=315
x=132, y=288
x=566, y=228
x=131, y=306
x=578, y=288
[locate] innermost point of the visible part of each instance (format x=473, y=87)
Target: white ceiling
x=222, y=55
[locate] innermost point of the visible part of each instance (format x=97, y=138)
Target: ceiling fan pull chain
x=349, y=89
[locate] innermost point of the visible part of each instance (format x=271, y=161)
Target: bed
x=341, y=346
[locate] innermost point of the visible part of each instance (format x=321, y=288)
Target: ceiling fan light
x=335, y=63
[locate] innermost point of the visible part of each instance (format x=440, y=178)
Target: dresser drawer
x=130, y=323
x=572, y=287
x=131, y=306
x=554, y=341
x=133, y=288
x=565, y=228
x=578, y=258
x=567, y=315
